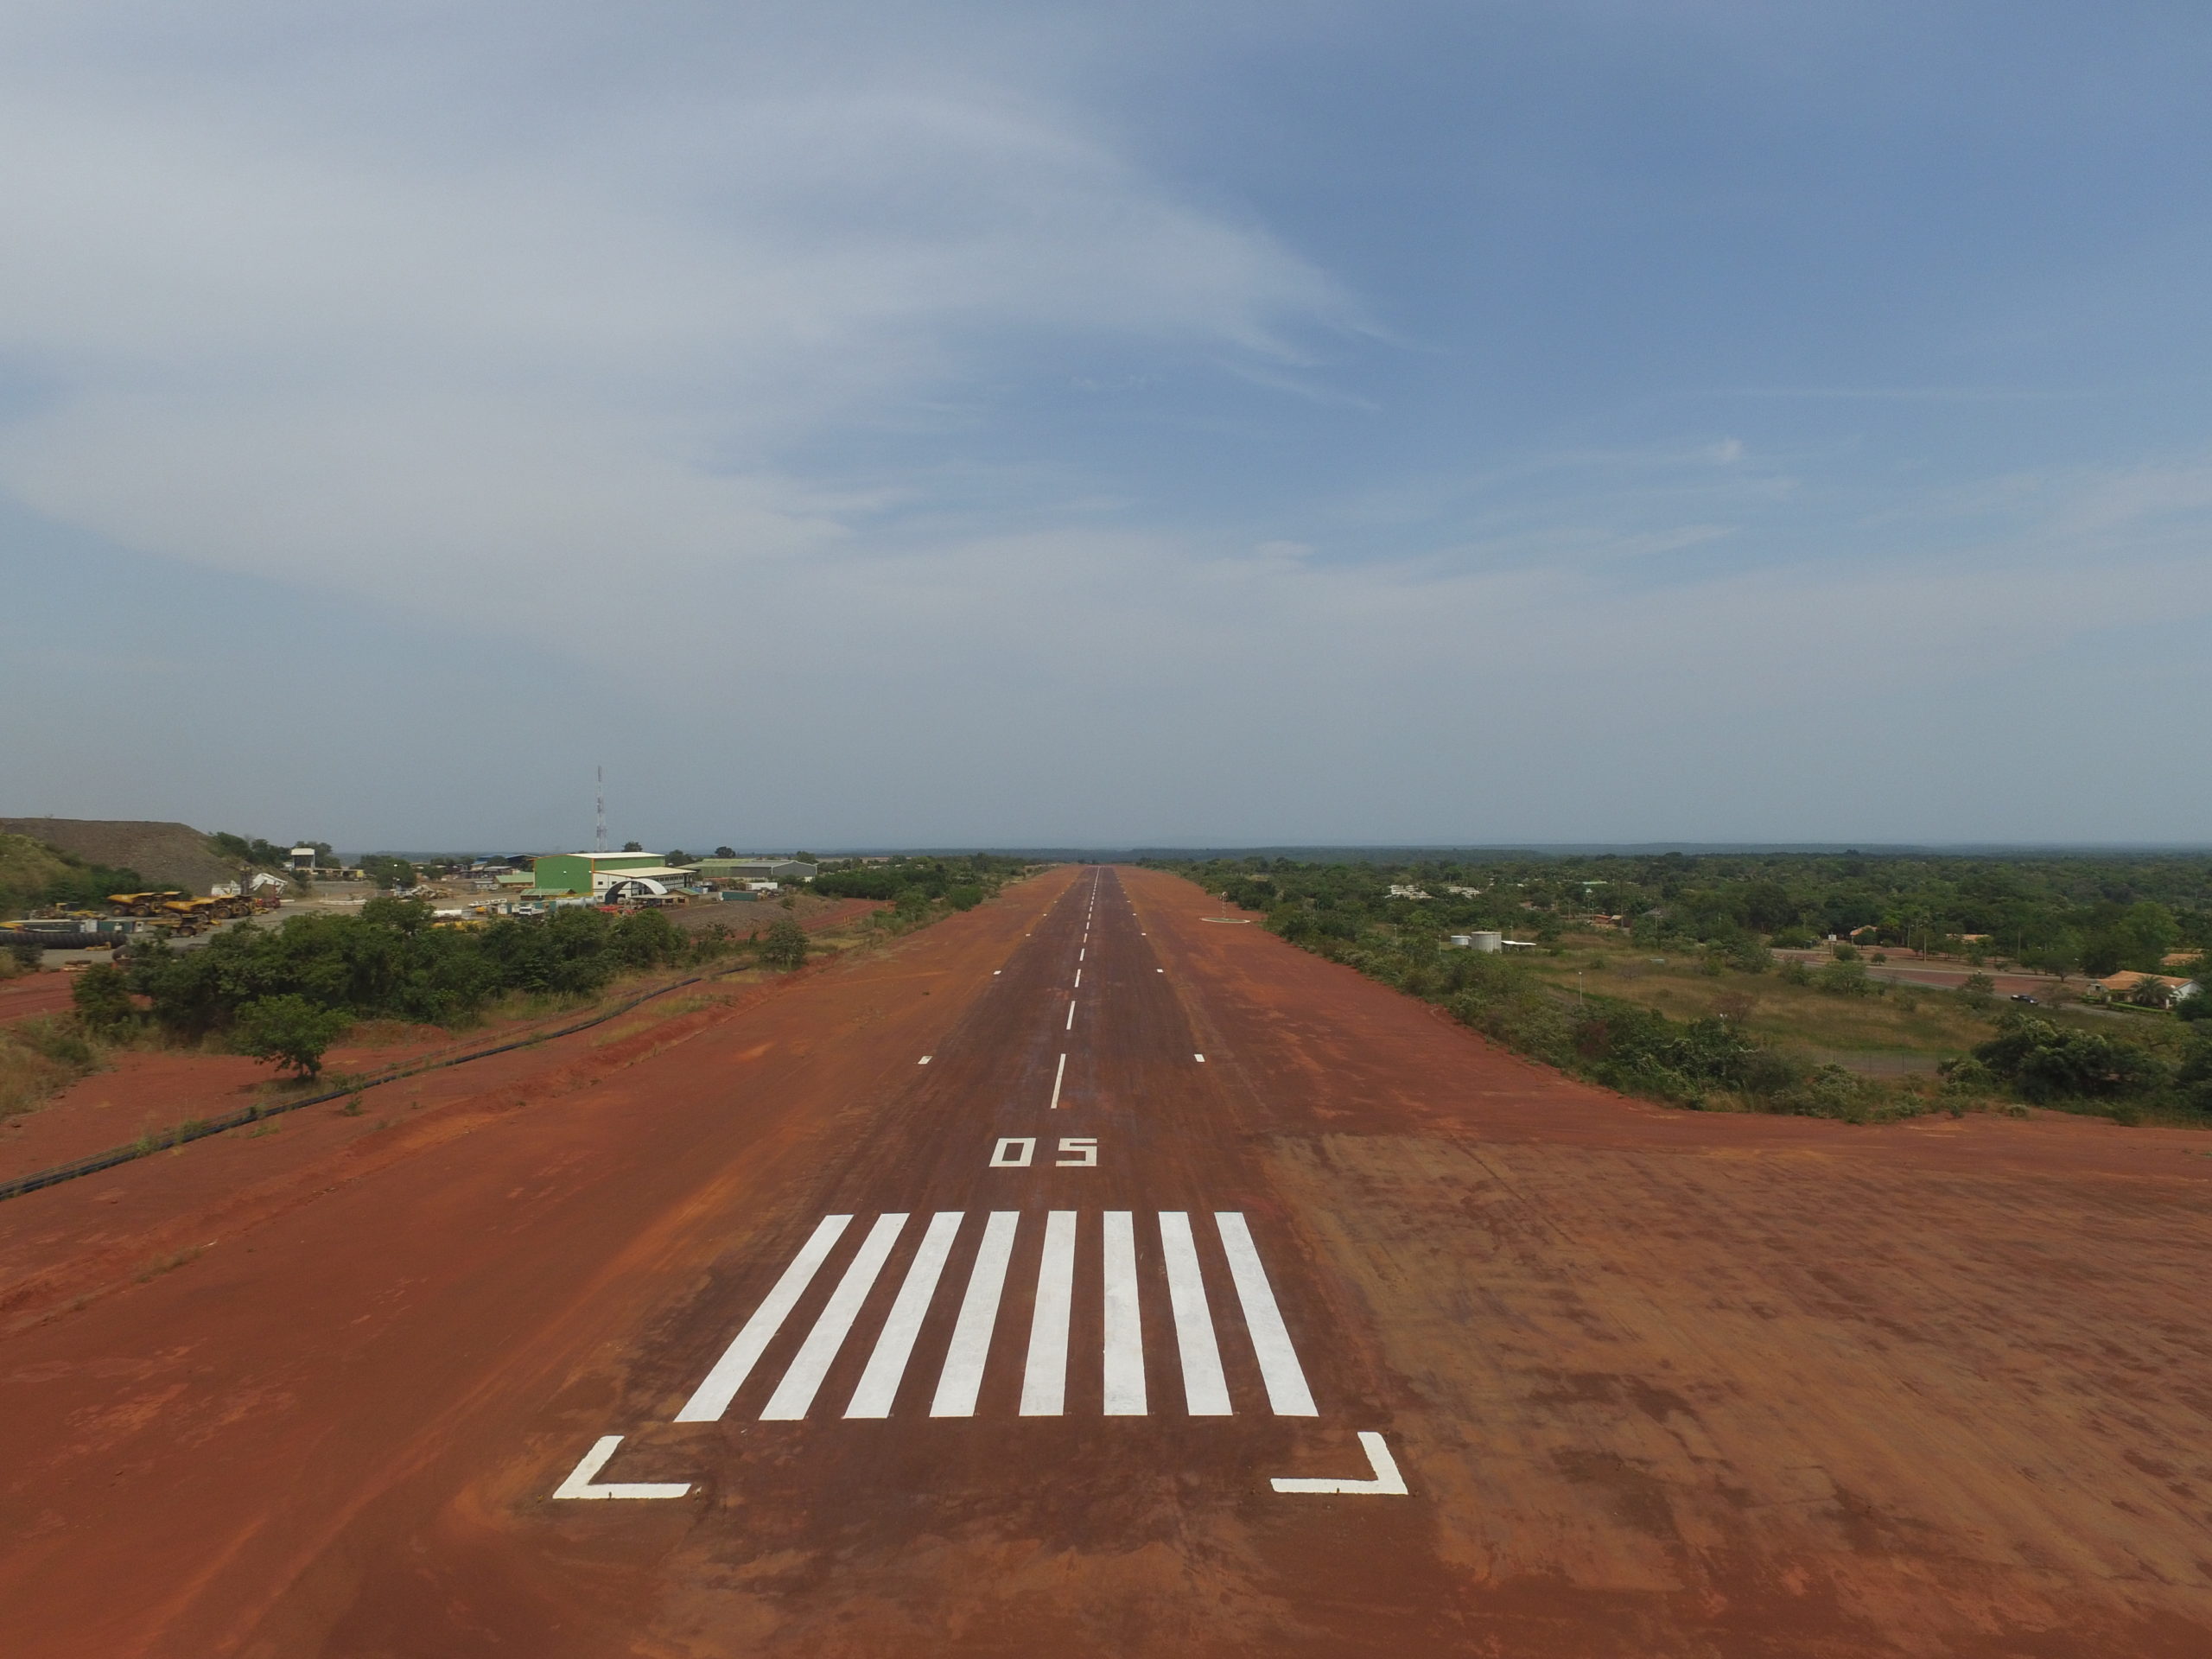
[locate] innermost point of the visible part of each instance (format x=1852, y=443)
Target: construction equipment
x=142, y=904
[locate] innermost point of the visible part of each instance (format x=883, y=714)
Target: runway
x=1087, y=1275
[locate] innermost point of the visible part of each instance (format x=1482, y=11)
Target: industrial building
x=583, y=876
x=754, y=869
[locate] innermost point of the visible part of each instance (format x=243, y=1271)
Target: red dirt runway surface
x=837, y=1352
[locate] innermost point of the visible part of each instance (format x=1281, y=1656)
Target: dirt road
x=946, y=1303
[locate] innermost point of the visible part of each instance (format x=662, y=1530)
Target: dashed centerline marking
x=924, y=1060
x=1070, y=1024
x=1200, y=1059
x=1059, y=1072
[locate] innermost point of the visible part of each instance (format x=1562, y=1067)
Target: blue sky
x=870, y=424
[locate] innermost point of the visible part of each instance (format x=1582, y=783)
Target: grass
x=1906, y=1030
x=162, y=1264
x=39, y=1057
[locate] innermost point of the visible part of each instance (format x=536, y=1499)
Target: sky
x=872, y=424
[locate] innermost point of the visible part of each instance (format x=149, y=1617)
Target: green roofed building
x=578, y=875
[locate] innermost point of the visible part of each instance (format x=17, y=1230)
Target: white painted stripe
x=1279, y=1366
x=1388, y=1481
x=1071, y=1025
x=1200, y=1059
x=1078, y=979
x=1205, y=1391
x=811, y=1363
x=1058, y=1073
x=957, y=1384
x=1044, y=1378
x=924, y=1060
x=714, y=1395
x=1124, y=1330
x=582, y=1481
x=1081, y=954
x=879, y=1383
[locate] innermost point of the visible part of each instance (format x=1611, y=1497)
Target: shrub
x=289, y=1031
x=102, y=998
x=785, y=945
x=2046, y=1064
x=1844, y=977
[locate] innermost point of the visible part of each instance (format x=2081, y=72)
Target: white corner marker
x=1387, y=1482
x=579, y=1483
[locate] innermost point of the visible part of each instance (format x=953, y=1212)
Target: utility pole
x=599, y=829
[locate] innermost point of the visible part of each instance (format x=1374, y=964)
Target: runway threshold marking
x=797, y=1391
x=961, y=1377
x=713, y=1396
x=1045, y=1374
x=1051, y=1336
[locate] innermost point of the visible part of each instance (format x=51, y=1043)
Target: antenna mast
x=599, y=826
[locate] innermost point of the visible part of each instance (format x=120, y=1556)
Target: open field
x=1657, y=1382
x=1905, y=1031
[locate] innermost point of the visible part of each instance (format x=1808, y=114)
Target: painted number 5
x=1078, y=1155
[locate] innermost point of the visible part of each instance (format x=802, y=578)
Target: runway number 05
x=1016, y=1152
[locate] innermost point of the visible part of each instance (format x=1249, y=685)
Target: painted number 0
x=1016, y=1152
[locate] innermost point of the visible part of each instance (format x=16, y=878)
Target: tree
x=289, y=1031
x=784, y=945
x=387, y=871
x=679, y=856
x=102, y=996
x=633, y=847
x=725, y=852
x=27, y=953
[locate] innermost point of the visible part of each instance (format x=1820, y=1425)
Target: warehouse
x=581, y=875
x=754, y=869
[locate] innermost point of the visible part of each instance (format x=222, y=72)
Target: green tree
x=784, y=945
x=387, y=871
x=289, y=1031
x=725, y=852
x=633, y=847
x=102, y=998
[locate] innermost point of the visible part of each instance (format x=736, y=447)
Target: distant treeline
x=389, y=961
x=915, y=883
x=2080, y=912
x=2087, y=913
